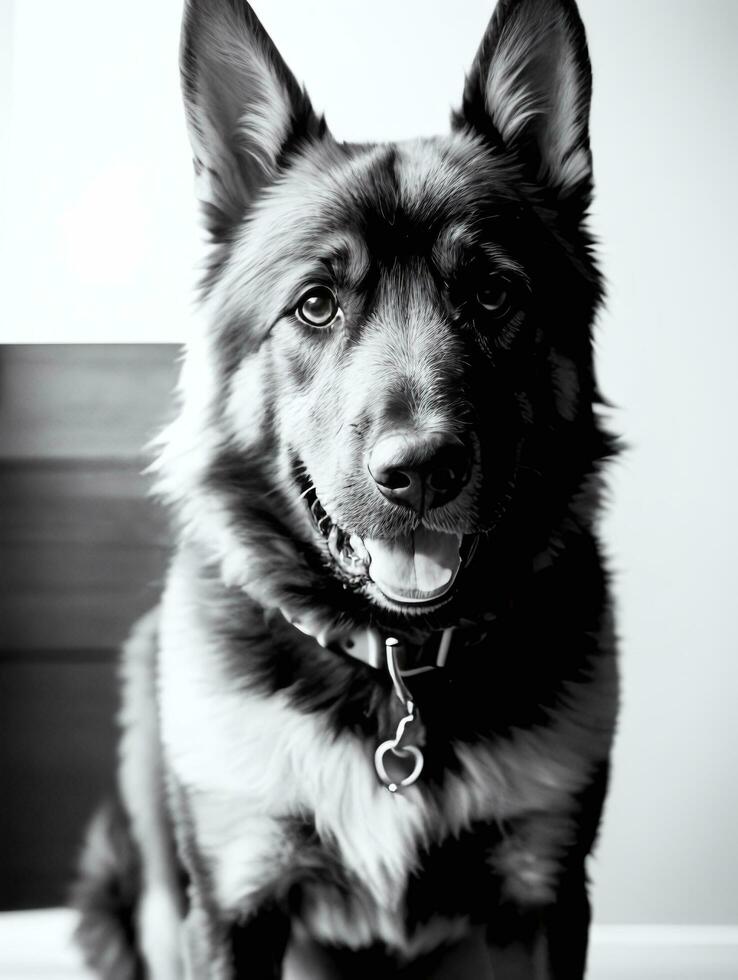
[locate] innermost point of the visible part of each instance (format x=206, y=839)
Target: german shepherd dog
x=367, y=732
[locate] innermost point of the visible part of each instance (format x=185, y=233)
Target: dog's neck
x=421, y=648
x=368, y=644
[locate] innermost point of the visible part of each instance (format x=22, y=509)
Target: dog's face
x=397, y=364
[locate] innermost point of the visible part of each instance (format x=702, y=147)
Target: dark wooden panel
x=98, y=401
x=57, y=752
x=78, y=501
x=82, y=553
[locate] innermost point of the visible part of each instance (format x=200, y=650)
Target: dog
x=367, y=731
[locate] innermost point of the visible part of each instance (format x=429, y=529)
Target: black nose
x=421, y=470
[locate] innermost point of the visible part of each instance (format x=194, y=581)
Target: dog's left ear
x=245, y=109
x=529, y=89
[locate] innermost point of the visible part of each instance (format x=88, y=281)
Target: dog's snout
x=420, y=470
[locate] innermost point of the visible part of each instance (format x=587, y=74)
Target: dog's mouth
x=417, y=568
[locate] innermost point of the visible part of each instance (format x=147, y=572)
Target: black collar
x=369, y=645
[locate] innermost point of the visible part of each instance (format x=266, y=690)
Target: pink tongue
x=416, y=567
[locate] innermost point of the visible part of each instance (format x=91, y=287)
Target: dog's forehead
x=420, y=187
x=353, y=206
x=393, y=197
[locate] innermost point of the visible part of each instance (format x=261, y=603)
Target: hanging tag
x=391, y=762
x=398, y=765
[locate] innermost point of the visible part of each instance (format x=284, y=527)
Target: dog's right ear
x=244, y=108
x=529, y=89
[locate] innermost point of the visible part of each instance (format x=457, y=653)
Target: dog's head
x=395, y=371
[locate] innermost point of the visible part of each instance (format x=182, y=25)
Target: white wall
x=665, y=135
x=99, y=243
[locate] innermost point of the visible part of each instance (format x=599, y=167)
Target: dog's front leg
x=566, y=926
x=231, y=856
x=541, y=931
x=522, y=954
x=548, y=943
x=258, y=945
x=219, y=949
x=205, y=951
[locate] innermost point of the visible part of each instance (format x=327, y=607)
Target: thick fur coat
x=388, y=427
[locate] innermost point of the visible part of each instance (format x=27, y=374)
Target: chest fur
x=274, y=793
x=255, y=766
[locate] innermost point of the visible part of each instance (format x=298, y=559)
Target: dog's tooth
x=322, y=520
x=357, y=545
x=333, y=545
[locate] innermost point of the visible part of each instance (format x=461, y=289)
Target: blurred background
x=98, y=243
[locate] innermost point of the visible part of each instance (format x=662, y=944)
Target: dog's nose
x=421, y=470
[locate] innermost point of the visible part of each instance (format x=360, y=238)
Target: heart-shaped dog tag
x=407, y=759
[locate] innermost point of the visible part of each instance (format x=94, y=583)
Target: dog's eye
x=318, y=307
x=494, y=296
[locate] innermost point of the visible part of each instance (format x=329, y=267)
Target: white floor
x=36, y=946
x=663, y=953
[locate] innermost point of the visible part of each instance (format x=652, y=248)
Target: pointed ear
x=530, y=88
x=244, y=108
